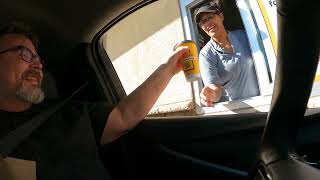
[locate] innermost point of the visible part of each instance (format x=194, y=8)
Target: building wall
x=141, y=42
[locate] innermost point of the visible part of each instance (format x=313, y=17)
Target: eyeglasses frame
x=23, y=49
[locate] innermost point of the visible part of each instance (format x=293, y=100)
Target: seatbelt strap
x=15, y=137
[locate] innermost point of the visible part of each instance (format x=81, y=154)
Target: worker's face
x=18, y=78
x=212, y=23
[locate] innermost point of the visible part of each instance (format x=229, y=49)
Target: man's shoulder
x=90, y=105
x=61, y=104
x=69, y=107
x=66, y=116
x=74, y=108
x=207, y=49
x=73, y=103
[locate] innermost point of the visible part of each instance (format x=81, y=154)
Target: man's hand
x=175, y=60
x=210, y=94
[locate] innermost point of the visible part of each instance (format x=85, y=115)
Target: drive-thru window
x=141, y=41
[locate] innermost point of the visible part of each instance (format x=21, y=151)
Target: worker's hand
x=210, y=94
x=174, y=62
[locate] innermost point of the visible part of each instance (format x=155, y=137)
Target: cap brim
x=197, y=16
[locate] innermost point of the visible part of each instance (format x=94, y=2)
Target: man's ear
x=221, y=16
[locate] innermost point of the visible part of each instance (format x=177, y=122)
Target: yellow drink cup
x=190, y=64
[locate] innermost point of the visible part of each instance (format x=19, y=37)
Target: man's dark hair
x=19, y=28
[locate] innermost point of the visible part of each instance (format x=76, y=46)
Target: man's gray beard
x=34, y=95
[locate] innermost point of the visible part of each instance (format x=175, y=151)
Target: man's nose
x=208, y=22
x=36, y=63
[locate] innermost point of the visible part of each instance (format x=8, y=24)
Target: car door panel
x=216, y=146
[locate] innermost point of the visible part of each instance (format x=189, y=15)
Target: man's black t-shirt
x=65, y=146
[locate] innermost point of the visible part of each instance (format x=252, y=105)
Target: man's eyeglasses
x=25, y=53
x=207, y=19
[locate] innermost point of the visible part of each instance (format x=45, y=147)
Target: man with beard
x=65, y=146
x=226, y=65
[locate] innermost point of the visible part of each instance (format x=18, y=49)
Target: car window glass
x=142, y=41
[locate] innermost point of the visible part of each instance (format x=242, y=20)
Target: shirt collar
x=233, y=40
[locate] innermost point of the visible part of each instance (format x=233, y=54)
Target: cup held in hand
x=190, y=63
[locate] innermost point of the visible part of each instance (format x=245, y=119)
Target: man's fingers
x=205, y=99
x=181, y=52
x=205, y=103
x=207, y=93
x=178, y=54
x=203, y=95
x=209, y=103
x=207, y=96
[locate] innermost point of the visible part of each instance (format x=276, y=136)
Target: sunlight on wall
x=139, y=43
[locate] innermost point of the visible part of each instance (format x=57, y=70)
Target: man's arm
x=133, y=108
x=210, y=94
